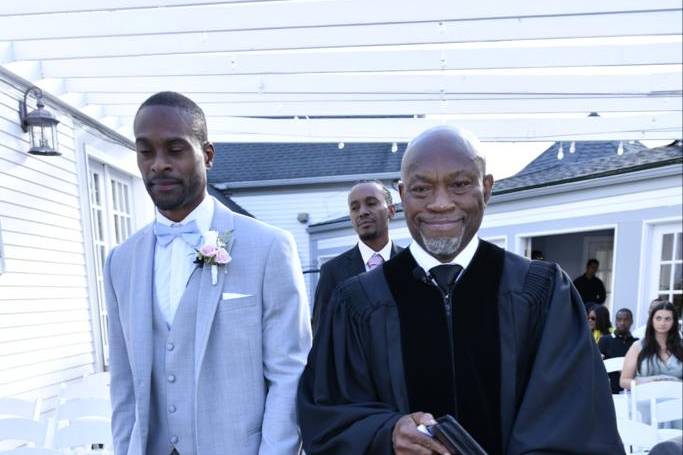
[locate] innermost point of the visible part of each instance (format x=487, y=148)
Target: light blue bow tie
x=188, y=232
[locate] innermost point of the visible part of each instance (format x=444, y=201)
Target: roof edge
x=304, y=181
x=630, y=174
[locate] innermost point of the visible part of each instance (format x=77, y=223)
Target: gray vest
x=172, y=406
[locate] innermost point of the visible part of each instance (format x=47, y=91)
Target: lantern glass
x=43, y=139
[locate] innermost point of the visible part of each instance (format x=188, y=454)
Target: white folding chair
x=84, y=433
x=614, y=364
x=652, y=392
x=19, y=407
x=97, y=387
x=84, y=408
x=666, y=411
x=637, y=437
x=621, y=406
x=22, y=430
x=31, y=451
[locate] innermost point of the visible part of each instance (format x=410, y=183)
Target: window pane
x=125, y=198
x=679, y=248
x=118, y=235
x=678, y=277
x=96, y=188
x=115, y=200
x=678, y=302
x=100, y=228
x=664, y=277
x=667, y=246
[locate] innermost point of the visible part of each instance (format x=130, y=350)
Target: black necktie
x=445, y=275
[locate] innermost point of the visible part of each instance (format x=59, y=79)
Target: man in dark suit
x=370, y=209
x=455, y=325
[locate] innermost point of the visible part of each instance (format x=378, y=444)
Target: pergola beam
x=615, y=24
x=640, y=127
x=264, y=15
x=409, y=108
x=396, y=61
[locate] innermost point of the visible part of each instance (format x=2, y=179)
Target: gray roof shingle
x=591, y=159
x=253, y=162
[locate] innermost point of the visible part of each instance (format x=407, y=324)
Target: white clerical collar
x=427, y=261
x=366, y=252
x=202, y=214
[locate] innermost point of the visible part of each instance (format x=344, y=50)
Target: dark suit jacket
x=336, y=271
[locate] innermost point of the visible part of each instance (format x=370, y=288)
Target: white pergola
x=363, y=70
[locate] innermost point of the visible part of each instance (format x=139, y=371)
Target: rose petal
x=208, y=250
x=222, y=256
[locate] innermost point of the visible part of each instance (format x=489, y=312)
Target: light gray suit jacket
x=252, y=339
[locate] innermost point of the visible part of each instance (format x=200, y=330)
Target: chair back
x=93, y=386
x=666, y=411
x=84, y=433
x=614, y=364
x=19, y=407
x=654, y=391
x=31, y=451
x=84, y=408
x=22, y=429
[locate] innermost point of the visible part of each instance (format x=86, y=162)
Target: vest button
x=171, y=378
x=174, y=440
x=170, y=346
x=171, y=409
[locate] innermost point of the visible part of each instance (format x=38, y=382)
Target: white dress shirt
x=174, y=263
x=428, y=262
x=366, y=252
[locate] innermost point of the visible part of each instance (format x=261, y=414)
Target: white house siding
x=47, y=334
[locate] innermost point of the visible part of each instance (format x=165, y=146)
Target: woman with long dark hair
x=659, y=355
x=598, y=321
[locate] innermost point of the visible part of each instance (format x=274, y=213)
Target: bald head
x=444, y=189
x=446, y=139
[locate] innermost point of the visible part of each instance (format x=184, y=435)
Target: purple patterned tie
x=375, y=260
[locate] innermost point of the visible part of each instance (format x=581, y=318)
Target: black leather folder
x=454, y=437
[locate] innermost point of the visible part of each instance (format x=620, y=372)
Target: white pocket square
x=234, y=295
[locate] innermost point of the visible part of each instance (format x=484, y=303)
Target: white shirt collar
x=202, y=214
x=427, y=261
x=366, y=252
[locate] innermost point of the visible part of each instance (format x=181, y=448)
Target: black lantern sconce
x=41, y=124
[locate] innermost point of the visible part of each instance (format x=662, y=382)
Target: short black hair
x=627, y=311
x=175, y=99
x=387, y=194
x=592, y=261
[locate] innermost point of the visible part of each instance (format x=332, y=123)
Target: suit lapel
x=209, y=294
x=141, y=301
x=356, y=264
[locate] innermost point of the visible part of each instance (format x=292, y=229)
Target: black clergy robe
x=528, y=376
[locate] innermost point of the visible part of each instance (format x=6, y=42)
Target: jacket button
x=171, y=378
x=170, y=346
x=174, y=440
x=171, y=409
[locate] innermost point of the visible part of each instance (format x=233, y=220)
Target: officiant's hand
x=408, y=440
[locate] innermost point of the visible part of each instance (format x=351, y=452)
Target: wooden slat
x=26, y=347
x=43, y=305
x=40, y=331
x=8, y=209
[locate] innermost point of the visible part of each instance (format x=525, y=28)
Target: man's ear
x=488, y=187
x=401, y=189
x=392, y=210
x=209, y=153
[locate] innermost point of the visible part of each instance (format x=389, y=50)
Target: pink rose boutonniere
x=215, y=251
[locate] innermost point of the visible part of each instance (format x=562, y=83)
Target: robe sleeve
x=338, y=405
x=567, y=405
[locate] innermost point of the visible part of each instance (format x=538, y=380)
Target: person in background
x=659, y=355
x=591, y=287
x=618, y=343
x=371, y=208
x=598, y=321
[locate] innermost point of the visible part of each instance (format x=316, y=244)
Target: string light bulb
x=394, y=147
x=340, y=145
x=560, y=152
x=572, y=147
x=620, y=148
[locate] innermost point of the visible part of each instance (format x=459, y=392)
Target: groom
x=205, y=358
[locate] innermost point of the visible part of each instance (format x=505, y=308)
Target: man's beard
x=444, y=247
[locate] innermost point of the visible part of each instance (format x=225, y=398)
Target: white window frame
x=653, y=233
